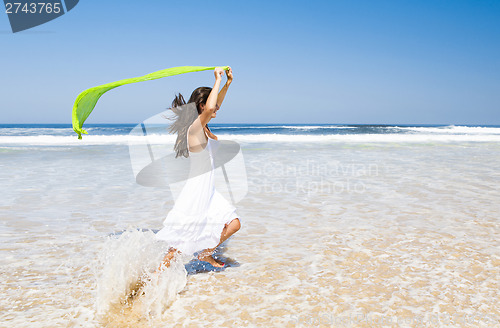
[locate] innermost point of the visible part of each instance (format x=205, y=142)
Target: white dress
x=200, y=212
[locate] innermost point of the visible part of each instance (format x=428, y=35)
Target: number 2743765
x=33, y=8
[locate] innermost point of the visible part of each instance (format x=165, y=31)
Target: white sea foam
x=89, y=140
x=452, y=129
x=364, y=138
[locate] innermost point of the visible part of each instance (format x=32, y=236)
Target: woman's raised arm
x=222, y=93
x=211, y=104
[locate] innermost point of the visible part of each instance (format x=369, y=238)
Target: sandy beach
x=334, y=234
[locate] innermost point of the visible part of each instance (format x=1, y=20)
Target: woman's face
x=215, y=111
x=214, y=114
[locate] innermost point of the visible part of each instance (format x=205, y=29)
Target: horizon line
x=254, y=123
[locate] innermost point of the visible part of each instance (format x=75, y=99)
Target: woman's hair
x=184, y=117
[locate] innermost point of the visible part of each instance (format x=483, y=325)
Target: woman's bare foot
x=166, y=260
x=209, y=258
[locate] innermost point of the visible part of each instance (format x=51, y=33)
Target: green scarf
x=86, y=101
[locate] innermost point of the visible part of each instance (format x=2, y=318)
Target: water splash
x=129, y=286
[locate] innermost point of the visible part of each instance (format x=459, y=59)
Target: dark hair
x=184, y=117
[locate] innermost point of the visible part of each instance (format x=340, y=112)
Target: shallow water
x=337, y=233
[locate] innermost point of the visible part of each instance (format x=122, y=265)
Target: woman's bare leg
x=168, y=257
x=228, y=231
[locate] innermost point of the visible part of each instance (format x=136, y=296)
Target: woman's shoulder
x=197, y=138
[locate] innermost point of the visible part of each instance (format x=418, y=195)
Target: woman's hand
x=229, y=74
x=218, y=72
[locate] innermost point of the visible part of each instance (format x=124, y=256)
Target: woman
x=201, y=218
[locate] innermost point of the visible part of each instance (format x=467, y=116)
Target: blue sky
x=358, y=62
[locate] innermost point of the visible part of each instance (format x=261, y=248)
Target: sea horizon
x=256, y=123
x=120, y=133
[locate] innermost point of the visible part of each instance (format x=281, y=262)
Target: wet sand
x=390, y=235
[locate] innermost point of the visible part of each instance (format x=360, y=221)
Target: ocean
x=341, y=226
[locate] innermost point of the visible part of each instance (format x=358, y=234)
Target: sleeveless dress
x=200, y=212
